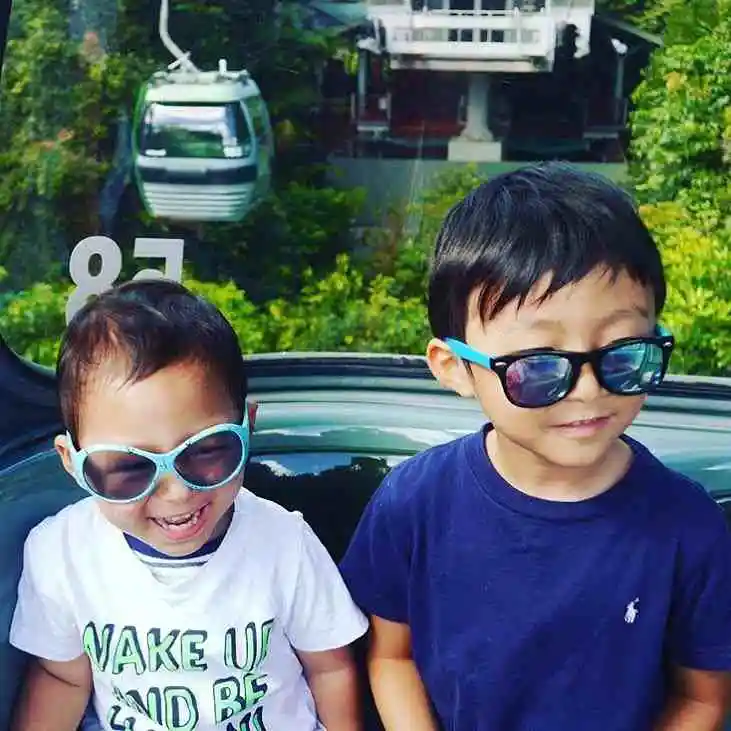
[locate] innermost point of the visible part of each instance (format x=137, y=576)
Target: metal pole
x=181, y=57
x=621, y=51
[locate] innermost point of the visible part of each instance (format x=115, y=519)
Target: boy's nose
x=587, y=387
x=172, y=489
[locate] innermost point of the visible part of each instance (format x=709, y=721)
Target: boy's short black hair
x=545, y=218
x=148, y=325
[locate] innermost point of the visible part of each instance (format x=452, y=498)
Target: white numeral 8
x=88, y=284
x=110, y=255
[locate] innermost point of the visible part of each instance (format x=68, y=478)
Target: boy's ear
x=448, y=369
x=62, y=449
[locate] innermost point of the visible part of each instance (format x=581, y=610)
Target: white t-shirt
x=212, y=652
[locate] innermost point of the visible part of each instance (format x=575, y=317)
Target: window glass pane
x=259, y=117
x=294, y=160
x=199, y=131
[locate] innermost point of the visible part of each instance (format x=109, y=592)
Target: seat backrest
x=30, y=407
x=19, y=516
x=332, y=502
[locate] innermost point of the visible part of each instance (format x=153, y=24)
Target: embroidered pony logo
x=632, y=611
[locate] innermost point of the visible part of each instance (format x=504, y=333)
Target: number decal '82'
x=88, y=284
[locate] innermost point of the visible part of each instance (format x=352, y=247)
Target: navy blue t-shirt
x=536, y=615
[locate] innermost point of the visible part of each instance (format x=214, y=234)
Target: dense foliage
x=377, y=304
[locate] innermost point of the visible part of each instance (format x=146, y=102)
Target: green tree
x=675, y=20
x=698, y=308
x=33, y=321
x=403, y=252
x=60, y=100
x=298, y=227
x=681, y=126
x=347, y=311
x=343, y=310
x=680, y=164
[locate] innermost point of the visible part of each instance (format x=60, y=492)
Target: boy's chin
x=567, y=453
x=563, y=452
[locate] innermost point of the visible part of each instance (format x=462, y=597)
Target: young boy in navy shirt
x=546, y=573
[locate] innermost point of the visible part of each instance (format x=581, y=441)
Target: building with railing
x=486, y=80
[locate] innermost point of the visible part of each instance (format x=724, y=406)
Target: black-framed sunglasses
x=542, y=377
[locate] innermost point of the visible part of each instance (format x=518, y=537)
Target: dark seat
x=19, y=516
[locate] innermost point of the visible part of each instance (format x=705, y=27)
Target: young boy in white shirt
x=172, y=596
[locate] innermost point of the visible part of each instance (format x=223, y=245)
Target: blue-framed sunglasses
x=542, y=377
x=205, y=461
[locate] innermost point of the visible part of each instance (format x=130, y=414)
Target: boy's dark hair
x=152, y=324
x=546, y=218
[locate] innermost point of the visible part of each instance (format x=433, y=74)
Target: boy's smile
x=157, y=414
x=569, y=450
x=584, y=428
x=183, y=526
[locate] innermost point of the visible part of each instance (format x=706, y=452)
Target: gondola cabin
x=203, y=145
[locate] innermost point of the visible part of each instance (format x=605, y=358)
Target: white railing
x=485, y=35
x=547, y=5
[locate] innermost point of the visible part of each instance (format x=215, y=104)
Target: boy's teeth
x=180, y=520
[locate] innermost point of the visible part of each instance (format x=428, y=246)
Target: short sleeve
x=320, y=613
x=43, y=625
x=376, y=565
x=700, y=626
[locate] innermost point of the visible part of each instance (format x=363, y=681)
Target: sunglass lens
x=118, y=475
x=538, y=380
x=632, y=368
x=211, y=461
